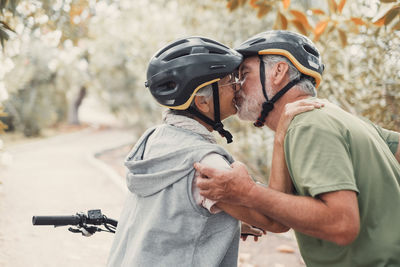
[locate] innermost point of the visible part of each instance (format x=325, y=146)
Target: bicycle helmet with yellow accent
x=177, y=71
x=297, y=48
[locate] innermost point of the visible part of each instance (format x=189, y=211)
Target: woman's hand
x=279, y=177
x=247, y=230
x=290, y=111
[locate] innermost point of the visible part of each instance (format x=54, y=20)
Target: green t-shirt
x=328, y=150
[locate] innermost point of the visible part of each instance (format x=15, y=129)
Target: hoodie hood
x=169, y=158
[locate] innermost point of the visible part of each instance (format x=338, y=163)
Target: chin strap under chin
x=268, y=105
x=216, y=123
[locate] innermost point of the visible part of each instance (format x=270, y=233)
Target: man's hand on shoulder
x=231, y=186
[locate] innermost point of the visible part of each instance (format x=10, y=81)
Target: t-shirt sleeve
x=318, y=160
x=216, y=161
x=391, y=138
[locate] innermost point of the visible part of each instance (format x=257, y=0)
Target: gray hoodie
x=161, y=224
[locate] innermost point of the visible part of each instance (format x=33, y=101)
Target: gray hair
x=205, y=91
x=304, y=85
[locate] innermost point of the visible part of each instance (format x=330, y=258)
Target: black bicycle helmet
x=301, y=52
x=177, y=71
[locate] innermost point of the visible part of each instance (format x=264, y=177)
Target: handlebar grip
x=56, y=220
x=112, y=222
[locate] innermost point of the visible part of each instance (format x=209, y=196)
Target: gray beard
x=250, y=108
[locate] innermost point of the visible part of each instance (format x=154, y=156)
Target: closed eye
x=244, y=75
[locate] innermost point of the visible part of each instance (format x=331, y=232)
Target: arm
x=331, y=216
x=241, y=213
x=329, y=207
x=279, y=177
x=252, y=217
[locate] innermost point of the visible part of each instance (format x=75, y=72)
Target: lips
x=237, y=100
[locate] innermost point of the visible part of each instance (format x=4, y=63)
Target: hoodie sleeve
x=216, y=161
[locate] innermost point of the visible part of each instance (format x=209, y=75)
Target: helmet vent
x=220, y=66
x=214, y=42
x=310, y=50
x=167, y=88
x=176, y=55
x=170, y=46
x=219, y=52
x=260, y=40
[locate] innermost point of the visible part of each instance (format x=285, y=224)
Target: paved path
x=58, y=176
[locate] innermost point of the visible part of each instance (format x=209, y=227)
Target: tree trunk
x=74, y=108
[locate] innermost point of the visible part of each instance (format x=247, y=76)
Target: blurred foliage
x=314, y=18
x=35, y=101
x=60, y=46
x=2, y=125
x=360, y=46
x=43, y=67
x=3, y=155
x=6, y=8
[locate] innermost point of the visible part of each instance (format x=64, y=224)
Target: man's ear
x=202, y=104
x=279, y=73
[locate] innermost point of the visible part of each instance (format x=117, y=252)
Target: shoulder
x=329, y=118
x=216, y=160
x=317, y=130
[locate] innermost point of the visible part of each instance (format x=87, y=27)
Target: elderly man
x=342, y=191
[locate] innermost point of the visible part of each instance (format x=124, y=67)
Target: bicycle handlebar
x=111, y=221
x=80, y=220
x=56, y=220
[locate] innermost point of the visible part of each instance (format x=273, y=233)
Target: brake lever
x=85, y=231
x=74, y=230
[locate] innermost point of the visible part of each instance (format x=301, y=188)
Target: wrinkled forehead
x=249, y=63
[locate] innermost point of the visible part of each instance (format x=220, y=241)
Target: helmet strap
x=216, y=123
x=262, y=76
x=268, y=105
